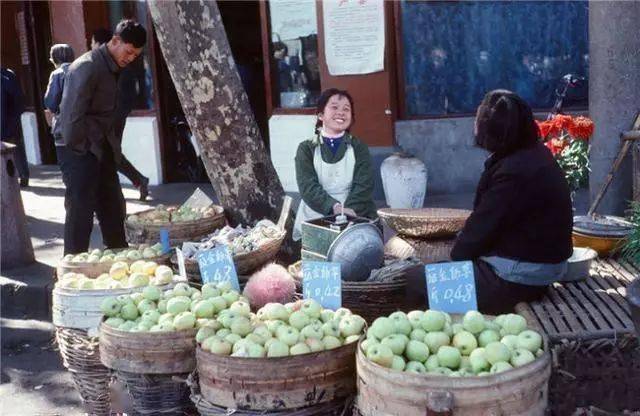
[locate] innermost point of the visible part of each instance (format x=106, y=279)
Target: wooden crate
x=596, y=354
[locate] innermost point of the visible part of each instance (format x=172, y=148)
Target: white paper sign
x=354, y=36
x=292, y=19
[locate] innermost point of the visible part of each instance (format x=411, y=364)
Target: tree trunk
x=195, y=46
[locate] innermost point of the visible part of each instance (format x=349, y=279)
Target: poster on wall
x=354, y=36
x=292, y=19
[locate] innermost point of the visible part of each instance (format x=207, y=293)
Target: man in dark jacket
x=91, y=148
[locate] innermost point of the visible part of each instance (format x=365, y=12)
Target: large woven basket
x=427, y=251
x=374, y=299
x=93, y=270
x=425, y=222
x=157, y=394
x=179, y=232
x=81, y=357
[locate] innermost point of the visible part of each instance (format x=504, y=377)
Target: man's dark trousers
x=92, y=187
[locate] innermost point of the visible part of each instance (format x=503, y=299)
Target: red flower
x=562, y=122
x=547, y=129
x=556, y=146
x=581, y=128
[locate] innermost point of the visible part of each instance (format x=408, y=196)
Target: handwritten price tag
x=216, y=265
x=322, y=282
x=451, y=286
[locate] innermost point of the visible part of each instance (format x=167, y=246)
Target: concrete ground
x=32, y=379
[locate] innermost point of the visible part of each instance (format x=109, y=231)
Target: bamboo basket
x=81, y=357
x=427, y=251
x=157, y=394
x=93, y=270
x=179, y=232
x=373, y=299
x=286, y=383
x=424, y=222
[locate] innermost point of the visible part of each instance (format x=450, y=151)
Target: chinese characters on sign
x=451, y=286
x=216, y=265
x=322, y=282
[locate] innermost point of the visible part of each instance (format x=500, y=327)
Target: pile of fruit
x=180, y=308
x=164, y=215
x=240, y=239
x=143, y=251
x=429, y=342
x=121, y=275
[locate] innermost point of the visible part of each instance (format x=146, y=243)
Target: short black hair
x=131, y=32
x=324, y=99
x=102, y=35
x=505, y=123
x=61, y=53
x=278, y=46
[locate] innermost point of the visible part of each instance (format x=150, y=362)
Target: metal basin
x=359, y=249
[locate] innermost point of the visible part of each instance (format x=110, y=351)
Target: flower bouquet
x=567, y=138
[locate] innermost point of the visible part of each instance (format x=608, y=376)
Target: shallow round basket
x=148, y=352
x=81, y=357
x=374, y=299
x=93, y=270
x=604, y=246
x=425, y=222
x=179, y=232
x=277, y=383
x=80, y=309
x=427, y=251
x=157, y=394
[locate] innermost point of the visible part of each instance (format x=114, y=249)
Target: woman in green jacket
x=333, y=169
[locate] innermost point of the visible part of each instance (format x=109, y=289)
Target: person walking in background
x=12, y=107
x=127, y=92
x=91, y=150
x=61, y=56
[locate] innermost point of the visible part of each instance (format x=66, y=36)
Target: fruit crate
x=596, y=354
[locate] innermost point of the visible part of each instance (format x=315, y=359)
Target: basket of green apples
x=283, y=357
x=487, y=364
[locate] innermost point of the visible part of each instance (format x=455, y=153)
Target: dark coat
x=522, y=210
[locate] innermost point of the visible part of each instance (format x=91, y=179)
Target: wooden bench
x=595, y=350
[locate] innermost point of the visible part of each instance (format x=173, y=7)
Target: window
x=295, y=73
x=454, y=52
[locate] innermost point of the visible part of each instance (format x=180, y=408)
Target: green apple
x=513, y=324
x=500, y=366
x=465, y=363
x=380, y=354
x=521, y=357
x=230, y=337
x=351, y=325
x=195, y=297
x=415, y=317
x=499, y=320
x=311, y=308
x=510, y=341
x=277, y=348
x=312, y=331
x=435, y=340
x=382, y=327
x=224, y=286
x=166, y=317
x=178, y=304
x=367, y=343
x=230, y=296
x=331, y=342
x=465, y=342
x=146, y=305
x=370, y=335
x=223, y=332
x=352, y=338
x=299, y=320
x=273, y=325
x=314, y=344
x=241, y=325
x=204, y=333
x=432, y=362
x=168, y=294
x=398, y=363
x=418, y=334
x=327, y=315
x=167, y=326
x=209, y=291
x=226, y=317
x=114, y=322
x=127, y=326
x=433, y=320
x=241, y=308
x=262, y=331
x=256, y=351
x=151, y=315
x=415, y=367
x=184, y=320
x=401, y=324
x=110, y=307
x=288, y=334
x=241, y=348
x=204, y=309
x=487, y=336
x=162, y=306
x=416, y=351
x=220, y=347
x=341, y=313
x=397, y=342
x=299, y=349
x=473, y=322
x=181, y=289
x=129, y=311
x=449, y=356
x=441, y=371
x=331, y=328
x=136, y=297
x=152, y=293
x=457, y=327
x=256, y=339
x=218, y=302
x=529, y=340
x=497, y=351
x=138, y=280
x=492, y=325
x=276, y=311
x=478, y=360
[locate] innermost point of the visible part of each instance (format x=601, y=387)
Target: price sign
x=216, y=265
x=322, y=282
x=451, y=286
x=164, y=240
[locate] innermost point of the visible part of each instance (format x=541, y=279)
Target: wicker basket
x=157, y=394
x=179, y=232
x=603, y=372
x=374, y=299
x=93, y=270
x=81, y=356
x=427, y=251
x=425, y=222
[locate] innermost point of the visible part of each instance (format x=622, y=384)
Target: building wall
x=67, y=24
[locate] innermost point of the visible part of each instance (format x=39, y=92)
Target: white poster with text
x=354, y=36
x=292, y=19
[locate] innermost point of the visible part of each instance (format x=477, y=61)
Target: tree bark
x=195, y=46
